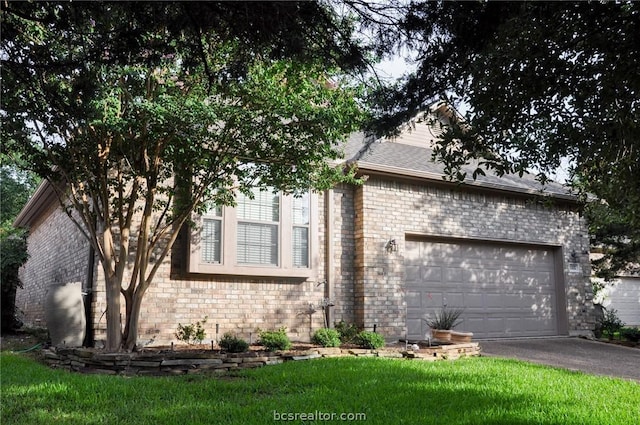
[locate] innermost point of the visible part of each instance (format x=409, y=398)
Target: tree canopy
x=537, y=83
x=140, y=113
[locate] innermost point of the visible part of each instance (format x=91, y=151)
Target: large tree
x=139, y=114
x=537, y=83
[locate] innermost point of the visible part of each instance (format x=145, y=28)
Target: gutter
x=329, y=251
x=43, y=197
x=87, y=297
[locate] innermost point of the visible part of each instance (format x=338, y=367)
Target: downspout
x=88, y=296
x=329, y=217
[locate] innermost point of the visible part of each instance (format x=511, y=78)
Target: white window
x=268, y=234
x=212, y=236
x=258, y=223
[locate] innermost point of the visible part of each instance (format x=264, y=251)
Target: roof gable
x=409, y=154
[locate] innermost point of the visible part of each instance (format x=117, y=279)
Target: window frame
x=229, y=259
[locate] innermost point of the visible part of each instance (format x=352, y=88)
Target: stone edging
x=178, y=363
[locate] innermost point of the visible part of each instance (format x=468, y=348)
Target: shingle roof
x=402, y=159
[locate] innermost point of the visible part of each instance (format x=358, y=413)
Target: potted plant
x=443, y=322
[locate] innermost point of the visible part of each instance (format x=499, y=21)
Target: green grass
x=467, y=391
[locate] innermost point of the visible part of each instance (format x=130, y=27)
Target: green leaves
x=140, y=113
x=540, y=83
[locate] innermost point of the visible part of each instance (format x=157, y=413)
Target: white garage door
x=624, y=296
x=505, y=290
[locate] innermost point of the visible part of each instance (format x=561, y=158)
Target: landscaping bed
x=187, y=360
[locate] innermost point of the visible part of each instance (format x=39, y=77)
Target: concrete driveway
x=594, y=357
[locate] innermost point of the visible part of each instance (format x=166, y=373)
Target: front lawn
x=371, y=390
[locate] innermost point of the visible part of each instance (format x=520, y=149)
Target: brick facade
x=366, y=281
x=58, y=255
x=388, y=209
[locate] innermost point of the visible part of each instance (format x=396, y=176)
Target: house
x=623, y=295
x=387, y=253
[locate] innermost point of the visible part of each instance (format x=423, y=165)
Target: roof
x=410, y=155
x=43, y=198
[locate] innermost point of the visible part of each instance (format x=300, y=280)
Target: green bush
x=193, y=333
x=232, y=344
x=368, y=339
x=630, y=334
x=13, y=254
x=275, y=340
x=610, y=323
x=326, y=337
x=347, y=331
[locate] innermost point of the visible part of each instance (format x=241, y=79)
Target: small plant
x=326, y=337
x=610, y=323
x=193, y=333
x=232, y=344
x=275, y=340
x=347, y=331
x=630, y=334
x=445, y=319
x=368, y=339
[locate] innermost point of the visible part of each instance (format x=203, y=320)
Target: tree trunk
x=132, y=321
x=114, y=321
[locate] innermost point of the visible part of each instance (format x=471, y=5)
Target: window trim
x=228, y=264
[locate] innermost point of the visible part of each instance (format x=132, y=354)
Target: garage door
x=624, y=296
x=505, y=290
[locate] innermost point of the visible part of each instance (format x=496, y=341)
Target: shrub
x=347, y=331
x=367, y=339
x=631, y=334
x=610, y=322
x=275, y=340
x=326, y=337
x=232, y=344
x=193, y=333
x=13, y=254
x=445, y=319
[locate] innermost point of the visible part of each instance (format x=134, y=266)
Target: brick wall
x=58, y=255
x=389, y=210
x=241, y=305
x=344, y=253
x=367, y=281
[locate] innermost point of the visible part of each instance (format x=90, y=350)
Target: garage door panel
x=505, y=290
x=451, y=274
x=413, y=275
x=414, y=327
x=414, y=299
x=431, y=274
x=473, y=300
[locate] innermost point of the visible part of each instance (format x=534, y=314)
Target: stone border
x=87, y=360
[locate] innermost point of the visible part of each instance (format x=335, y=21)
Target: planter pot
x=443, y=335
x=461, y=337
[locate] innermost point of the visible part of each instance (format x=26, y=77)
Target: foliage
x=347, y=331
x=275, y=340
x=192, y=333
x=233, y=344
x=16, y=186
x=326, y=337
x=537, y=83
x=597, y=286
x=139, y=114
x=631, y=334
x=446, y=318
x=615, y=235
x=368, y=339
x=13, y=254
x=610, y=323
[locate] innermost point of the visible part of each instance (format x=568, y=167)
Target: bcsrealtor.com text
x=318, y=416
